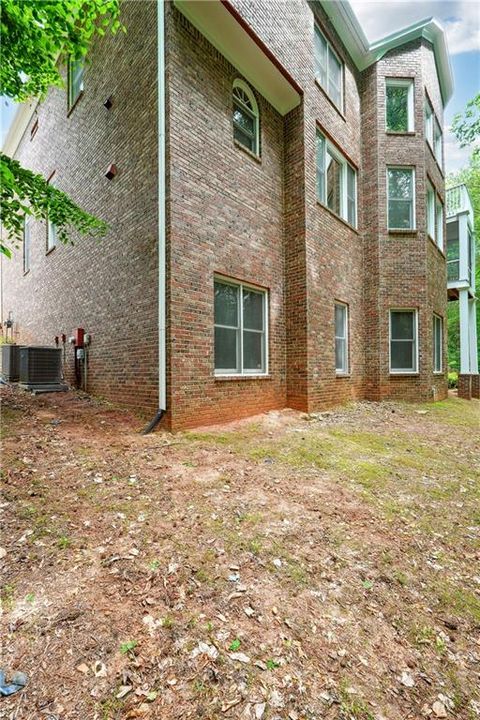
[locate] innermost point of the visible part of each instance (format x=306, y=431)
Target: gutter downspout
x=162, y=371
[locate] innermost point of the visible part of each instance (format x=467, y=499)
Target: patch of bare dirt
x=287, y=566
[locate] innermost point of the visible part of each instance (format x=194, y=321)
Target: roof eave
x=431, y=30
x=364, y=54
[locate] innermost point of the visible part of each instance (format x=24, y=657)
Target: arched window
x=245, y=117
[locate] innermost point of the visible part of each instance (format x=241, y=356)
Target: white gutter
x=162, y=370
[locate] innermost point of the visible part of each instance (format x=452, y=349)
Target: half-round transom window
x=245, y=117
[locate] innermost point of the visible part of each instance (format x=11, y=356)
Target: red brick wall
x=228, y=213
x=226, y=217
x=108, y=287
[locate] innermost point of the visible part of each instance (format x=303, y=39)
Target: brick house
x=276, y=224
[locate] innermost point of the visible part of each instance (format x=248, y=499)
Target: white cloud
x=461, y=19
x=456, y=157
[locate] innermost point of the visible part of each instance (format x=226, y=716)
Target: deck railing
x=458, y=200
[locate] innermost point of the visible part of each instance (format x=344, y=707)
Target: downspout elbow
x=153, y=423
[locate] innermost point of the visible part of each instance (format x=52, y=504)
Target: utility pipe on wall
x=162, y=371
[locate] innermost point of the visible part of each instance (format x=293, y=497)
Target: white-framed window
x=429, y=121
x=403, y=341
x=328, y=69
x=246, y=117
x=437, y=336
x=399, y=115
x=341, y=338
x=241, y=328
x=431, y=218
x=437, y=143
x=439, y=223
x=75, y=71
x=26, y=242
x=336, y=181
x=401, y=198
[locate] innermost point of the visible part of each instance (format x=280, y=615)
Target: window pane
x=226, y=304
x=320, y=58
x=334, y=78
x=252, y=351
x=437, y=343
x=334, y=170
x=243, y=120
x=252, y=310
x=226, y=354
x=400, y=183
x=400, y=194
x=320, y=167
x=351, y=196
x=75, y=77
x=400, y=215
x=340, y=315
x=402, y=357
x=244, y=139
x=439, y=228
x=397, y=108
x=340, y=354
x=403, y=325
x=428, y=122
x=430, y=212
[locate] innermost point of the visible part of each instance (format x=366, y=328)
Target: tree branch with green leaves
x=37, y=37
x=24, y=193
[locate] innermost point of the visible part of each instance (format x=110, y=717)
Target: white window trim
x=346, y=370
x=408, y=83
x=437, y=318
x=406, y=371
x=414, y=197
x=256, y=112
x=244, y=373
x=341, y=159
x=330, y=49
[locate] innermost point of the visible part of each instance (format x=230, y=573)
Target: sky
x=461, y=19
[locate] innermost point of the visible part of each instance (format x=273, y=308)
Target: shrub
x=452, y=380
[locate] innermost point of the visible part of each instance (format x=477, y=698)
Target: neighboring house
x=461, y=263
x=276, y=222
